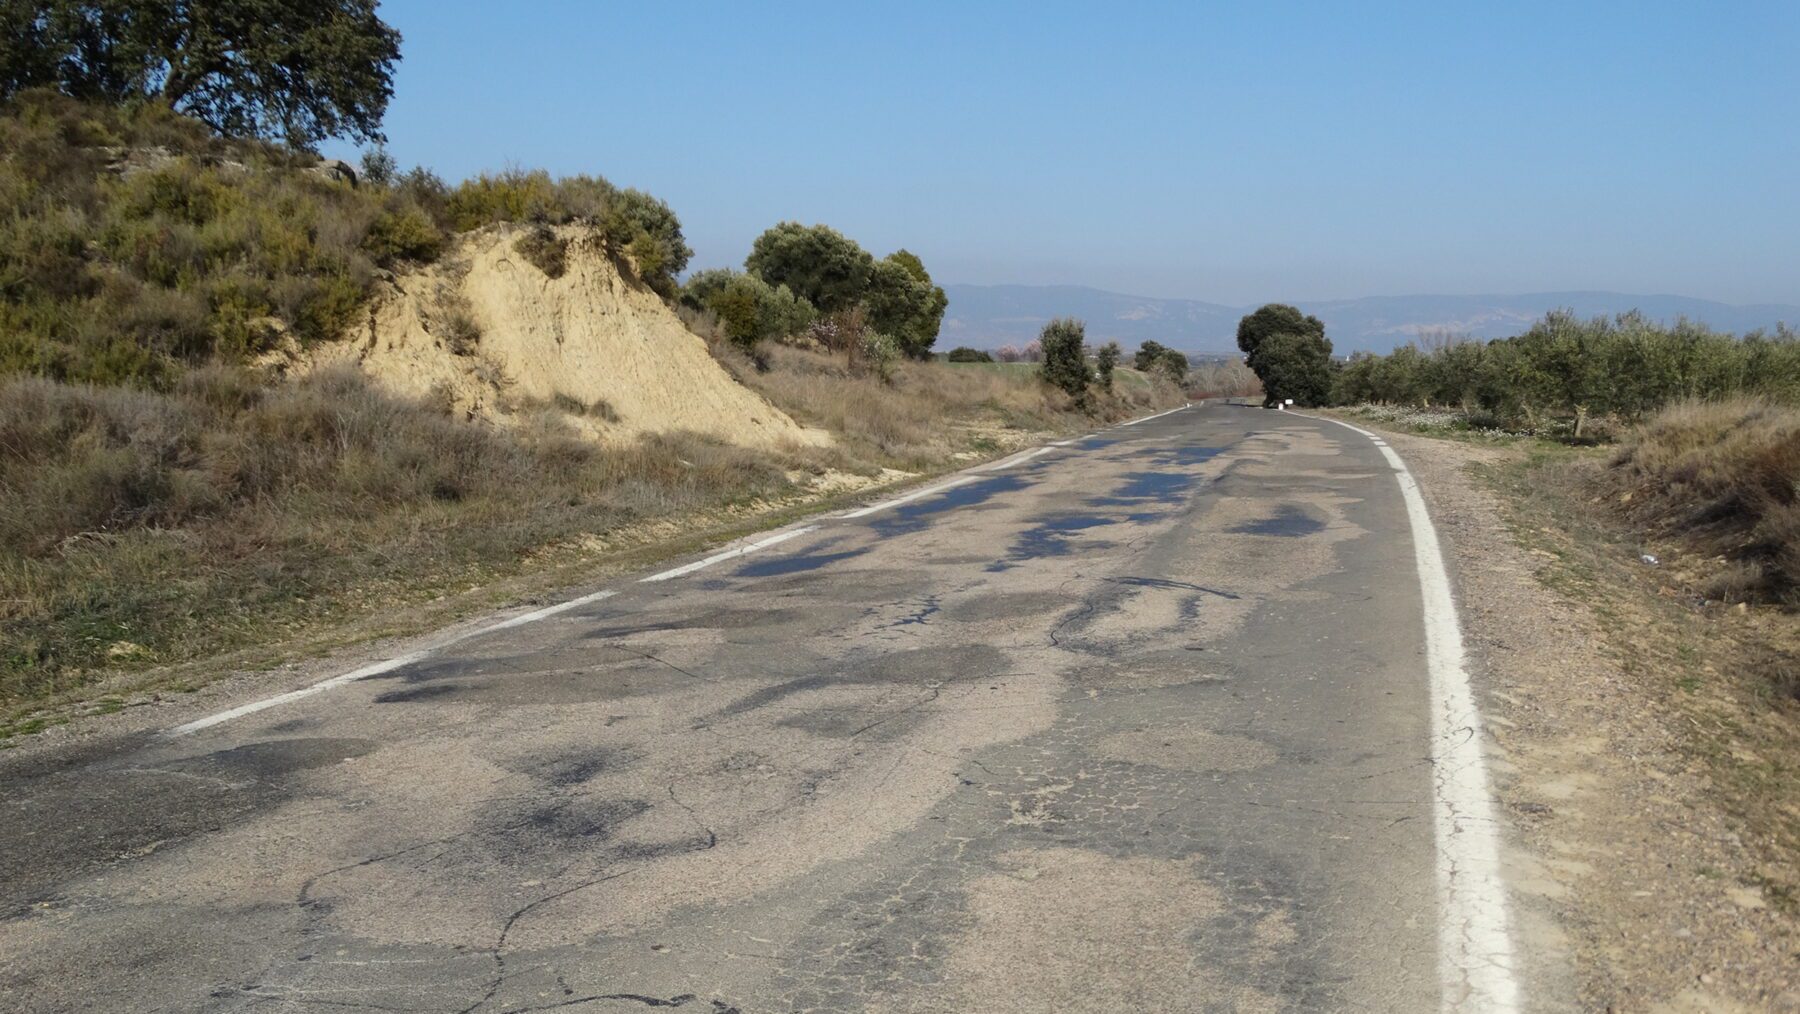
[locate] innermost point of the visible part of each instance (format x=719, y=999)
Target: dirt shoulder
x=1606, y=699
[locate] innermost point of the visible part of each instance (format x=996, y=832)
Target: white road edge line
x=1145, y=419
x=1017, y=459
x=377, y=668
x=730, y=554
x=535, y=615
x=1475, y=954
x=863, y=512
x=293, y=695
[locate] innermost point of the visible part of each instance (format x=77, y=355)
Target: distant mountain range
x=988, y=316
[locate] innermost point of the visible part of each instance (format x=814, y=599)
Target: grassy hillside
x=136, y=245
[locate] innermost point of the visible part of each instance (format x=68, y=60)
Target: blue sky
x=1231, y=152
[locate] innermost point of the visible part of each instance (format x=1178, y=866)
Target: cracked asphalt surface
x=1137, y=725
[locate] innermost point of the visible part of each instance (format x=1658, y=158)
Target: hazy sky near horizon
x=1230, y=152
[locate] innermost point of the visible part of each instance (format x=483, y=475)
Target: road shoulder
x=1622, y=855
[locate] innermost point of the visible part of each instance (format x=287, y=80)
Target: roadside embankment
x=153, y=541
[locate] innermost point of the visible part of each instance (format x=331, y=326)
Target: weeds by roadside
x=1475, y=425
x=1726, y=674
x=924, y=412
x=1722, y=481
x=142, y=528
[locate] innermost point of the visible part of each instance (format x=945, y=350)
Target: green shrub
x=547, y=251
x=832, y=273
x=1104, y=363
x=136, y=245
x=1065, y=359
x=748, y=309
x=637, y=225
x=403, y=234
x=903, y=302
x=511, y=196
x=379, y=168
x=1173, y=363
x=964, y=354
x=1148, y=354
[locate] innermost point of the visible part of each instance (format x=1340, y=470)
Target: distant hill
x=987, y=316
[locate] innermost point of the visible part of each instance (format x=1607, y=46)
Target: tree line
x=1562, y=369
x=1570, y=369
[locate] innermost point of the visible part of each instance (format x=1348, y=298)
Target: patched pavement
x=1139, y=724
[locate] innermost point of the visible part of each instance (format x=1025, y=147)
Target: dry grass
x=928, y=411
x=1728, y=675
x=1229, y=379
x=1721, y=479
x=142, y=528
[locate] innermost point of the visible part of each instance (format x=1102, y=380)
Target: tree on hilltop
x=298, y=71
x=834, y=273
x=820, y=264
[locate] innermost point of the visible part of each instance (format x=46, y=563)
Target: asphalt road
x=1140, y=723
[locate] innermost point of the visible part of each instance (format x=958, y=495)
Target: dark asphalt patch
x=919, y=666
x=1186, y=456
x=1157, y=582
x=1289, y=522
x=91, y=817
x=582, y=818
x=571, y=768
x=272, y=759
x=949, y=664
x=422, y=692
x=628, y=674
x=1162, y=487
x=446, y=668
x=915, y=516
x=778, y=565
x=921, y=615
x=717, y=619
x=875, y=725
x=1049, y=537
x=771, y=694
